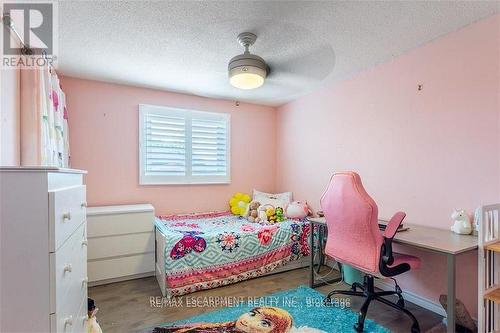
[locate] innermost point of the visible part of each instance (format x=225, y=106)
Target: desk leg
x=450, y=312
x=311, y=268
x=321, y=231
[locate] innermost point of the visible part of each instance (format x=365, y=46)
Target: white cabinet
x=121, y=243
x=43, y=250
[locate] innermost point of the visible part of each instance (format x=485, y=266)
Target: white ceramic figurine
x=462, y=223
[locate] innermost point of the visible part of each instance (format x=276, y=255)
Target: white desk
x=439, y=241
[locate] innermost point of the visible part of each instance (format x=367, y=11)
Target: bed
x=204, y=251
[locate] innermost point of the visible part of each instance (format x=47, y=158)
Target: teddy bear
x=253, y=214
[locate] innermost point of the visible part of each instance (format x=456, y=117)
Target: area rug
x=303, y=306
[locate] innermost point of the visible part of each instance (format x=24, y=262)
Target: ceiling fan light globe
x=246, y=81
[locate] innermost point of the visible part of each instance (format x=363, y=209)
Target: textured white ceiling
x=185, y=45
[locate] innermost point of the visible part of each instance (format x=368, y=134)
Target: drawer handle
x=85, y=242
x=66, y=216
x=68, y=321
x=68, y=268
x=84, y=204
x=85, y=280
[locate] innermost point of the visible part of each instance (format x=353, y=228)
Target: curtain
x=44, y=119
x=9, y=117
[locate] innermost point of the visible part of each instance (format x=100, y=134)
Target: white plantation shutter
x=183, y=146
x=165, y=145
x=208, y=146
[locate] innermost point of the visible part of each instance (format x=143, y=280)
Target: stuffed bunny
x=462, y=223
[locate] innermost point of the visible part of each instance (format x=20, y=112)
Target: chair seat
x=400, y=258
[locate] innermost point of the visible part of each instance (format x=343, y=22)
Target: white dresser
x=43, y=250
x=121, y=243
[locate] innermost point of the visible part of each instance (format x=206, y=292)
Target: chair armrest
x=389, y=233
x=394, y=224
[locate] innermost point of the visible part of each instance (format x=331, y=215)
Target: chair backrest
x=352, y=218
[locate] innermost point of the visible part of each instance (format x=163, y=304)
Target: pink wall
x=9, y=117
x=103, y=120
x=424, y=152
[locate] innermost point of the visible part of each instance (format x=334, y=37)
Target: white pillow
x=276, y=200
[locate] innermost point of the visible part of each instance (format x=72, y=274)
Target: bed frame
x=160, y=262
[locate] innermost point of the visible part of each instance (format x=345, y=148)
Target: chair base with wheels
x=367, y=290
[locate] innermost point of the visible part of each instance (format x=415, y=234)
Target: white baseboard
x=412, y=297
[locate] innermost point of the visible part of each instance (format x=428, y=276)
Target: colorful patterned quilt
x=210, y=250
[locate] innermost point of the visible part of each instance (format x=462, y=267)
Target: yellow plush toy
x=269, y=212
x=239, y=203
x=271, y=215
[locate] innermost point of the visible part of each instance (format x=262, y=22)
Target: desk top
x=429, y=238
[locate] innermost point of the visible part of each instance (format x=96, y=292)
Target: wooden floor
x=125, y=306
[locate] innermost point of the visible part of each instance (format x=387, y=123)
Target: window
x=179, y=146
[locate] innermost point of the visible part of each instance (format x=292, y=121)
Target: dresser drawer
x=114, y=246
x=67, y=210
x=67, y=322
x=119, y=224
x=81, y=317
x=68, y=274
x=121, y=267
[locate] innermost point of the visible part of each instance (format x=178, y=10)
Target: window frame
x=187, y=179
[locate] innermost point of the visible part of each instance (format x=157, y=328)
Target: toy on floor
x=239, y=203
x=91, y=325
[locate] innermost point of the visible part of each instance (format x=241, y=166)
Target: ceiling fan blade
x=315, y=65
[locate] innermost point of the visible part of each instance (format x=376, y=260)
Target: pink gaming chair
x=354, y=238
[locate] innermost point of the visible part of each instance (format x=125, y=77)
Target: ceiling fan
x=247, y=71
x=304, y=61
